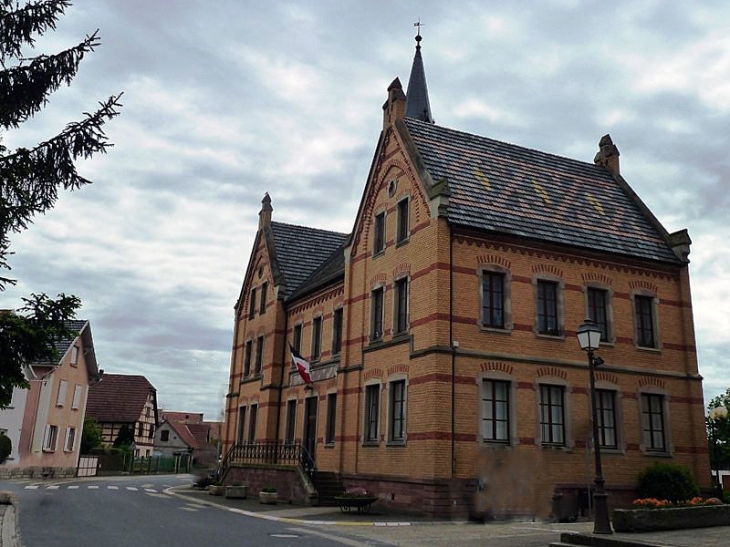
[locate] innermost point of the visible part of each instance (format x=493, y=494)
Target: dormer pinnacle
x=417, y=104
x=265, y=213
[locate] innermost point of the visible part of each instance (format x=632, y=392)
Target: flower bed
x=651, y=514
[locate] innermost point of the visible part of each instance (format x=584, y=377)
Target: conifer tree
x=31, y=178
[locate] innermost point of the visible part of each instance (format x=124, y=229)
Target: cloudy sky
x=226, y=100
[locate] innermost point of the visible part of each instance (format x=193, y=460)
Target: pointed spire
x=265, y=213
x=417, y=104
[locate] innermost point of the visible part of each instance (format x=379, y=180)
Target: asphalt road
x=136, y=511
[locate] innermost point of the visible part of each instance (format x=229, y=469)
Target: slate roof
x=75, y=326
x=509, y=189
x=118, y=398
x=301, y=250
x=332, y=269
x=417, y=103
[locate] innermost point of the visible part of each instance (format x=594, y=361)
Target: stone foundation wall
x=36, y=472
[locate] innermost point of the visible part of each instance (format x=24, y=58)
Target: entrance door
x=309, y=438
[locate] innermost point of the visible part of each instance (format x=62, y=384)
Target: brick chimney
x=608, y=155
x=395, y=107
x=265, y=213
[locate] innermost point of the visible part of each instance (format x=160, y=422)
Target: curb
x=9, y=523
x=288, y=520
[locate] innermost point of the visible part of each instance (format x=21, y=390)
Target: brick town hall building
x=441, y=331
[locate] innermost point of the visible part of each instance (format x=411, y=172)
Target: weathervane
x=418, y=25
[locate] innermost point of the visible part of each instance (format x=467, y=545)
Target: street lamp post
x=716, y=415
x=589, y=338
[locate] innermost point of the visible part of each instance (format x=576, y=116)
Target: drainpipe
x=281, y=379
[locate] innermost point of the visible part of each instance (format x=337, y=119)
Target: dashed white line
x=93, y=487
x=53, y=487
x=111, y=487
x=150, y=490
x=32, y=487
x=132, y=488
x=73, y=487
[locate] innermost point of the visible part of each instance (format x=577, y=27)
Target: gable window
x=552, y=415
x=401, y=305
x=140, y=429
x=397, y=411
x=264, y=293
x=495, y=411
x=259, y=354
x=316, y=338
x=644, y=319
x=76, y=402
x=652, y=422
x=247, y=358
x=291, y=418
x=379, y=233
x=547, y=307
x=70, y=439
x=493, y=299
x=241, y=425
x=252, y=304
x=165, y=435
x=74, y=355
x=598, y=310
x=376, y=313
x=50, y=438
x=606, y=411
x=372, y=413
x=252, y=423
x=337, y=331
x=61, y=398
x=402, y=229
x=329, y=435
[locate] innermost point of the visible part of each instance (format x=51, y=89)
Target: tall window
x=76, y=401
x=74, y=355
x=547, y=307
x=50, y=438
x=252, y=423
x=372, y=412
x=552, y=414
x=165, y=435
x=337, y=331
x=264, y=294
x=252, y=304
x=652, y=422
x=376, y=314
x=597, y=310
x=401, y=305
x=493, y=299
x=397, y=411
x=259, y=354
x=495, y=411
x=644, y=309
x=379, y=233
x=70, y=439
x=297, y=338
x=329, y=435
x=316, y=338
x=606, y=410
x=241, y=425
x=403, y=230
x=291, y=419
x=247, y=358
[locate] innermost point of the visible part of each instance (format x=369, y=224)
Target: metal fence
x=270, y=452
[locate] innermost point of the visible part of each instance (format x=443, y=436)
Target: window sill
x=656, y=453
x=371, y=443
x=547, y=336
x=379, y=253
x=329, y=445
x=648, y=349
x=398, y=443
x=402, y=242
x=495, y=330
x=495, y=444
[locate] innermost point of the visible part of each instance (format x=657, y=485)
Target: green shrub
x=6, y=447
x=269, y=489
x=668, y=481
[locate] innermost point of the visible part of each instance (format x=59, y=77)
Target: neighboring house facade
x=441, y=331
x=187, y=432
x=45, y=421
x=125, y=400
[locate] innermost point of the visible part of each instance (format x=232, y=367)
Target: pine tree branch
x=29, y=179
x=24, y=89
x=17, y=25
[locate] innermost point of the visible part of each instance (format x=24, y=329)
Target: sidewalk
x=8, y=520
x=408, y=528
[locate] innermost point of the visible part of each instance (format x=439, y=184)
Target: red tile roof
x=118, y=398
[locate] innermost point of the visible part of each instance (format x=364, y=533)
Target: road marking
x=132, y=488
x=110, y=487
x=189, y=509
x=197, y=505
x=32, y=487
x=53, y=487
x=150, y=490
x=93, y=487
x=73, y=487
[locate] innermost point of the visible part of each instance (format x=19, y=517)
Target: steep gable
x=118, y=398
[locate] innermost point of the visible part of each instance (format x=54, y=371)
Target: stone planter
x=673, y=518
x=268, y=498
x=215, y=490
x=239, y=492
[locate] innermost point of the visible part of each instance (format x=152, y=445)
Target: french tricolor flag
x=301, y=364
